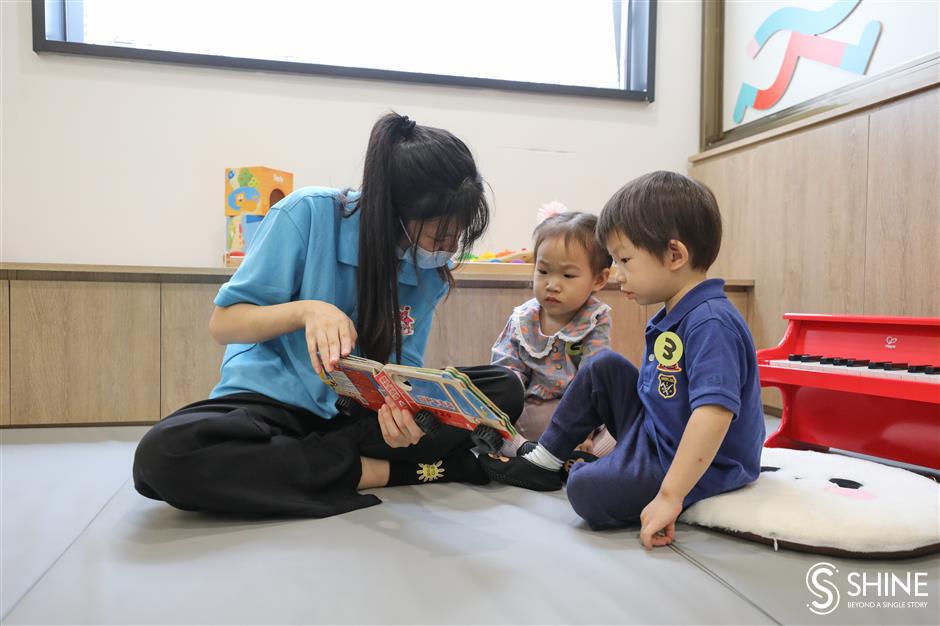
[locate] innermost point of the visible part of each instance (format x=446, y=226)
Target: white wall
x=120, y=162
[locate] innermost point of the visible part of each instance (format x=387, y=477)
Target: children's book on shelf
x=448, y=394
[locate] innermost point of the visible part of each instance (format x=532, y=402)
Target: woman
x=331, y=273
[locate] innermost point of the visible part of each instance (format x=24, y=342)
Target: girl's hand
x=587, y=445
x=330, y=334
x=398, y=426
x=658, y=521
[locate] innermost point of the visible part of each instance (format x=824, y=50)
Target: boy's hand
x=398, y=426
x=659, y=515
x=701, y=439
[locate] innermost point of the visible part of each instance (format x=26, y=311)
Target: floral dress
x=546, y=364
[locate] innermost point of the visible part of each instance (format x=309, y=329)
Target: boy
x=689, y=424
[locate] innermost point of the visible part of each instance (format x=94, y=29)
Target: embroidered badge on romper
x=667, y=385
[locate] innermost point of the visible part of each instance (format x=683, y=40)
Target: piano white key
x=899, y=374
x=840, y=369
x=825, y=368
x=890, y=374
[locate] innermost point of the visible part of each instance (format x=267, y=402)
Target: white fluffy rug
x=830, y=504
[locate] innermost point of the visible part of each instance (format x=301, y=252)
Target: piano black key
x=794, y=357
x=932, y=370
x=839, y=361
x=917, y=369
x=858, y=362
x=877, y=365
x=893, y=367
x=827, y=360
x=810, y=358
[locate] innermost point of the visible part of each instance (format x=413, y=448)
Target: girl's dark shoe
x=519, y=472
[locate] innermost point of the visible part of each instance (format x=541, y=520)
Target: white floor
x=80, y=546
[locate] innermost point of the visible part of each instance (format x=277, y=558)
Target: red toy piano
x=860, y=383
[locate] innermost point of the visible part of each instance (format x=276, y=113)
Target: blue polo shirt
x=717, y=364
x=305, y=249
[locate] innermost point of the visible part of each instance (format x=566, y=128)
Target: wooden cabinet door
x=628, y=325
x=84, y=352
x=742, y=300
x=468, y=323
x=4, y=353
x=190, y=358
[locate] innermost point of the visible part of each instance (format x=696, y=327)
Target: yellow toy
x=523, y=256
x=506, y=256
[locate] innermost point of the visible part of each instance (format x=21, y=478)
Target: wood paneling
x=4, y=352
x=902, y=264
x=189, y=359
x=842, y=217
x=84, y=352
x=794, y=219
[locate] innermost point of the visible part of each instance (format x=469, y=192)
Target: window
x=586, y=47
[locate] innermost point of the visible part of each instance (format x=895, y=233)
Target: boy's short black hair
x=659, y=206
x=579, y=227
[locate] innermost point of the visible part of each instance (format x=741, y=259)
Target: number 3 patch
x=668, y=349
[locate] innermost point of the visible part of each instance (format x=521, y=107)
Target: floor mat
x=53, y=482
x=437, y=554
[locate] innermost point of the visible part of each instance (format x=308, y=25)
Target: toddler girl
x=548, y=337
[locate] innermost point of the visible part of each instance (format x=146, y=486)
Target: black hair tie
x=406, y=126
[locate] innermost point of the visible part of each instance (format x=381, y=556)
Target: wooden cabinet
x=112, y=344
x=84, y=352
x=189, y=357
x=4, y=353
x=628, y=325
x=467, y=324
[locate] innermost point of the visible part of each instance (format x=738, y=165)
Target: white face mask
x=426, y=259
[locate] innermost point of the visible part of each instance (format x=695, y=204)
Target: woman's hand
x=398, y=426
x=330, y=334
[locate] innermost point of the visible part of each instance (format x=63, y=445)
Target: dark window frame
x=56, y=11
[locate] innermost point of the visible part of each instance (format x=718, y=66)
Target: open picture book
x=447, y=394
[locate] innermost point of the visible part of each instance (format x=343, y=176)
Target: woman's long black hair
x=412, y=173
